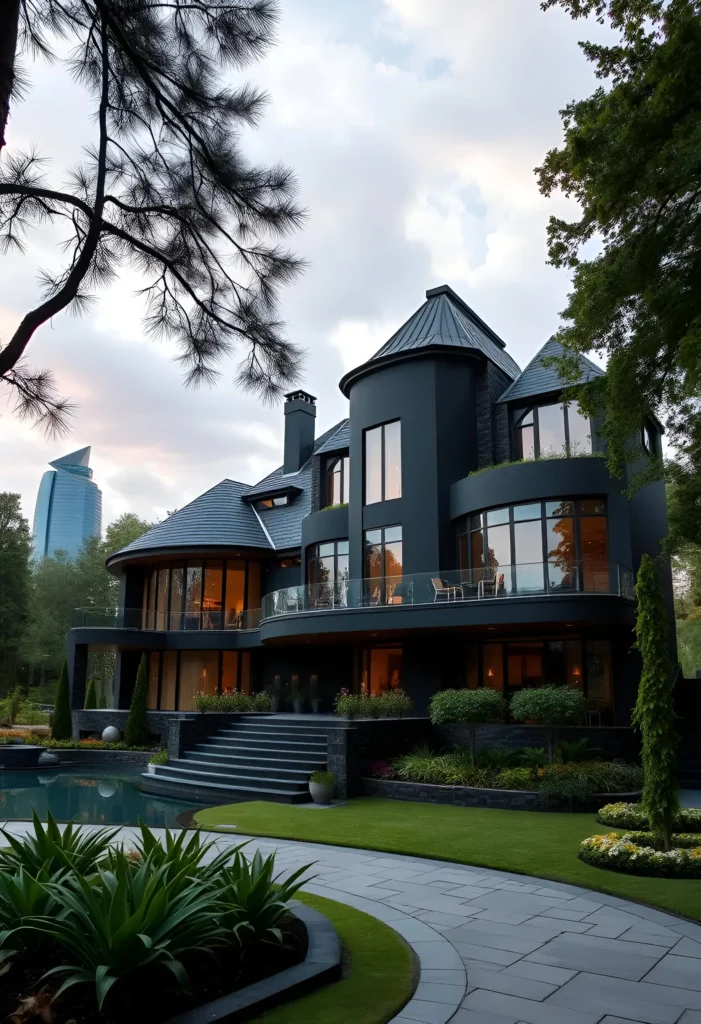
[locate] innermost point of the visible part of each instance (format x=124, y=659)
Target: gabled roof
x=81, y=457
x=218, y=517
x=444, y=321
x=340, y=439
x=537, y=379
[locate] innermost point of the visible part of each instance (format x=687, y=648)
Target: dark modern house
x=460, y=528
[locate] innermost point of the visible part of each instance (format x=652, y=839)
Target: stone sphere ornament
x=111, y=734
x=48, y=760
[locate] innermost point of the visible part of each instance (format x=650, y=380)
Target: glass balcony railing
x=533, y=579
x=133, y=618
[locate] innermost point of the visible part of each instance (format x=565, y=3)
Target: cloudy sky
x=413, y=127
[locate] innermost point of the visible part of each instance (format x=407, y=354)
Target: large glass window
x=201, y=595
x=550, y=430
x=513, y=664
x=176, y=676
x=530, y=548
x=327, y=573
x=338, y=481
x=383, y=565
x=382, y=669
x=383, y=463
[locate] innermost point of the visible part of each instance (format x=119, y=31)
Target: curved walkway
x=497, y=948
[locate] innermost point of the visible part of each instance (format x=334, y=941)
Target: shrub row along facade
x=460, y=528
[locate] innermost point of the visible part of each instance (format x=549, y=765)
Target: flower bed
x=390, y=704
x=111, y=934
x=640, y=853
x=231, y=701
x=633, y=816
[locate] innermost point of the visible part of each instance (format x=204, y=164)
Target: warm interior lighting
x=576, y=671
x=490, y=673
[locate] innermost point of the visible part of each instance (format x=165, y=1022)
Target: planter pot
x=151, y=769
x=274, y=704
x=316, y=705
x=321, y=792
x=298, y=706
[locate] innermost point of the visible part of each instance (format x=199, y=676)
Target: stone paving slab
x=501, y=948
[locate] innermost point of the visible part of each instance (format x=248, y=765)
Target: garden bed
x=641, y=853
x=473, y=796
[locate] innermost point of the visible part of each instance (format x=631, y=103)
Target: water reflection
x=100, y=796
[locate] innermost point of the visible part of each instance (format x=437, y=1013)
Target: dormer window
x=281, y=499
x=338, y=481
x=557, y=429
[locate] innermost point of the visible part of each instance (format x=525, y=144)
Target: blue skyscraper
x=69, y=506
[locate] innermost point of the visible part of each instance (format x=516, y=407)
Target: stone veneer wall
x=615, y=741
x=458, y=796
x=492, y=419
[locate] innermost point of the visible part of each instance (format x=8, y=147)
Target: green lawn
x=527, y=842
x=378, y=974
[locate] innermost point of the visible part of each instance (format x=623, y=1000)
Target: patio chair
x=491, y=586
x=443, y=591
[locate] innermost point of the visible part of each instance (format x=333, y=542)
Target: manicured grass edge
x=610, y=888
x=380, y=973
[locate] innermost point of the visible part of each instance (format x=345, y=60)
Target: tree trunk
x=471, y=730
x=9, y=23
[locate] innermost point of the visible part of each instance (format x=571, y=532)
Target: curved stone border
x=321, y=965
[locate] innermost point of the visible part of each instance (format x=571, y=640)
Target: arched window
x=338, y=481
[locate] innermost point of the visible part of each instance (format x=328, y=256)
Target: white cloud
x=413, y=127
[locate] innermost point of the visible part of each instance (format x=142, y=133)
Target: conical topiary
x=136, y=729
x=62, y=727
x=90, y=695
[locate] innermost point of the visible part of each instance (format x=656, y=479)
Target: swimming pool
x=90, y=794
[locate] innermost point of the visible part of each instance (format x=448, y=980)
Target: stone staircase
x=266, y=759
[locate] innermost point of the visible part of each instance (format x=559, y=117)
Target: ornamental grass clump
x=470, y=708
x=390, y=704
x=551, y=707
x=231, y=702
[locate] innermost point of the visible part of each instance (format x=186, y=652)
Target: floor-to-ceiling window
x=537, y=546
x=176, y=677
x=383, y=463
x=512, y=664
x=327, y=573
x=383, y=565
x=544, y=431
x=381, y=669
x=211, y=594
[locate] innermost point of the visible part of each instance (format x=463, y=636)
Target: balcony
x=539, y=580
x=133, y=618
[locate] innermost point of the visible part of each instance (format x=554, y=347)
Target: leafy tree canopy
x=15, y=550
x=632, y=159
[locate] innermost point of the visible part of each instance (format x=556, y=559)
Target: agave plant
x=255, y=900
x=126, y=921
x=53, y=851
x=183, y=854
x=23, y=897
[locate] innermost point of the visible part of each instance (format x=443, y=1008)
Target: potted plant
x=321, y=786
x=160, y=757
x=314, y=697
x=297, y=695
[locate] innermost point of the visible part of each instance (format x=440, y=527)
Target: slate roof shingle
x=339, y=440
x=537, y=379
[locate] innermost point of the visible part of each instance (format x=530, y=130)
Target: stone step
x=287, y=746
x=284, y=774
x=276, y=753
x=286, y=736
x=214, y=793
x=252, y=761
x=253, y=782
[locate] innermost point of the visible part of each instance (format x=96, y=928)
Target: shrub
x=382, y=770
x=498, y=758
x=160, y=757
x=573, y=787
x=90, y=695
x=62, y=727
x=551, y=707
x=10, y=706
x=636, y=853
x=515, y=778
x=467, y=707
x=605, y=776
x=323, y=778
x=653, y=714
x=136, y=729
x=29, y=714
x=576, y=750
x=634, y=816
x=231, y=701
x=390, y=704
x=533, y=758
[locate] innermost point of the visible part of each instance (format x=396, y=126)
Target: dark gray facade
x=249, y=583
